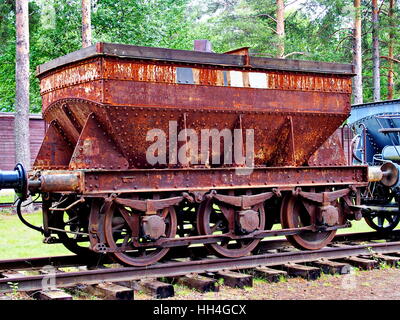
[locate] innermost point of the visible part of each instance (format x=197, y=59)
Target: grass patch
x=181, y=290
x=383, y=265
x=19, y=241
x=259, y=280
x=356, y=226
x=6, y=198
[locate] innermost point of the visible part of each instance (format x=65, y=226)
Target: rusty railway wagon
x=102, y=195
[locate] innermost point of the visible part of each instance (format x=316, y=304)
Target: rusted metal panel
x=209, y=77
x=92, y=91
x=270, y=138
x=95, y=149
x=133, y=70
x=86, y=71
x=221, y=178
x=138, y=71
x=307, y=82
x=332, y=151
x=125, y=93
x=56, y=149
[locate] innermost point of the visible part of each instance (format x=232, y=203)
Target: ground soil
x=383, y=284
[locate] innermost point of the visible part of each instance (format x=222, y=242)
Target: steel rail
x=169, y=269
x=39, y=262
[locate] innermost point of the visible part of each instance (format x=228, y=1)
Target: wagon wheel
x=295, y=215
x=212, y=219
x=382, y=195
x=74, y=221
x=186, y=214
x=122, y=226
x=382, y=222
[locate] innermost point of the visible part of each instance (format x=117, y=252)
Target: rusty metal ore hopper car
x=109, y=106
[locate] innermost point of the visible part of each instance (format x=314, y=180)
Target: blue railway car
x=377, y=143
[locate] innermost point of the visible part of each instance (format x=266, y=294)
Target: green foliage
x=282, y=278
x=14, y=295
x=384, y=266
x=55, y=30
x=233, y=24
x=141, y=22
x=321, y=30
x=7, y=55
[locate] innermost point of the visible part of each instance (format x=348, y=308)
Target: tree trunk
x=21, y=122
x=280, y=27
x=375, y=52
x=86, y=24
x=357, y=55
x=390, y=84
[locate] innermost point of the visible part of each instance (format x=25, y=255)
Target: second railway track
x=6, y=205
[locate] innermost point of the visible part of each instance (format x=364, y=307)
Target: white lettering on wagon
x=183, y=147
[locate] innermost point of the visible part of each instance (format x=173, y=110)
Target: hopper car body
x=103, y=193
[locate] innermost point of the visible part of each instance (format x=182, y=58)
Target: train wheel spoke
x=136, y=255
x=295, y=215
x=209, y=211
x=381, y=220
x=76, y=220
x=377, y=221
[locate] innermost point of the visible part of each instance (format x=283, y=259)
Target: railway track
x=363, y=250
x=12, y=205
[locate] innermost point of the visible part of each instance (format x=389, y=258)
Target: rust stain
x=68, y=76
